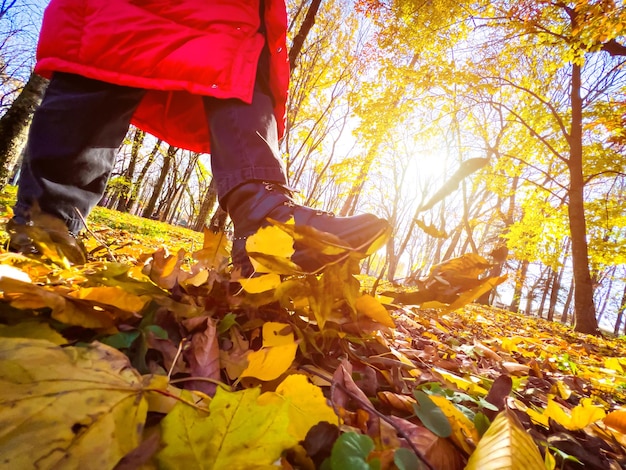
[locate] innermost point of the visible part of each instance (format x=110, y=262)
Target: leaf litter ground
x=146, y=359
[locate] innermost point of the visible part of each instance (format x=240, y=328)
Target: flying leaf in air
x=505, y=445
x=466, y=168
x=64, y=407
x=237, y=432
x=431, y=229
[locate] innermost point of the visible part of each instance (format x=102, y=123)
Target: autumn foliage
x=146, y=359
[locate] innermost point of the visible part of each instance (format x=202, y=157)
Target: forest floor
x=156, y=355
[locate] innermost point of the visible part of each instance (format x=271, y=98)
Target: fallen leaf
x=77, y=404
x=506, y=445
x=216, y=440
x=164, y=269
x=307, y=405
x=276, y=355
x=214, y=252
x=203, y=353
x=372, y=308
x=34, y=330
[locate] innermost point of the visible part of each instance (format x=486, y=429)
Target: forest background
x=388, y=100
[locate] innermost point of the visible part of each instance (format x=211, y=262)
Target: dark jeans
x=80, y=124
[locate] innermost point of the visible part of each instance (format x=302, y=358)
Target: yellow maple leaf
x=307, y=405
x=276, y=355
x=214, y=250
x=114, y=296
x=372, y=308
x=263, y=283
x=270, y=242
x=62, y=407
x=238, y=432
x=580, y=416
x=164, y=269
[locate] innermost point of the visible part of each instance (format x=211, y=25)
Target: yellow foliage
x=506, y=445
x=216, y=439
x=62, y=407
x=276, y=355
x=372, y=308
x=307, y=405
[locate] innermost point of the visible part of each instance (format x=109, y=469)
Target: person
x=205, y=76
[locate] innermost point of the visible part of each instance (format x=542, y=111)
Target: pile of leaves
x=145, y=359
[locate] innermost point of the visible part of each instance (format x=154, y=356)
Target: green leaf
x=157, y=331
x=406, y=460
x=121, y=340
x=350, y=451
x=226, y=323
x=482, y=423
x=431, y=415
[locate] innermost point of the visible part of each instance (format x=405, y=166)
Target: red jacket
x=177, y=49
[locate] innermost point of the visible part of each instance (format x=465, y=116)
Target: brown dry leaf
x=399, y=402
x=235, y=358
x=343, y=376
x=164, y=270
x=203, y=354
x=439, y=452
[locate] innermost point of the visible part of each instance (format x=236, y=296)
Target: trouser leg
x=244, y=137
x=71, y=147
x=244, y=142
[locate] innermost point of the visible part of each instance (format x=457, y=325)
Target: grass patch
x=122, y=227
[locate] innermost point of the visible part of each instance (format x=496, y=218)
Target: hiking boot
x=47, y=236
x=252, y=204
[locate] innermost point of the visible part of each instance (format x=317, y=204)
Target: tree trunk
x=568, y=302
x=15, y=123
x=620, y=313
x=520, y=280
x=158, y=187
x=209, y=200
x=182, y=184
x=142, y=174
x=300, y=37
x=584, y=309
x=124, y=201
